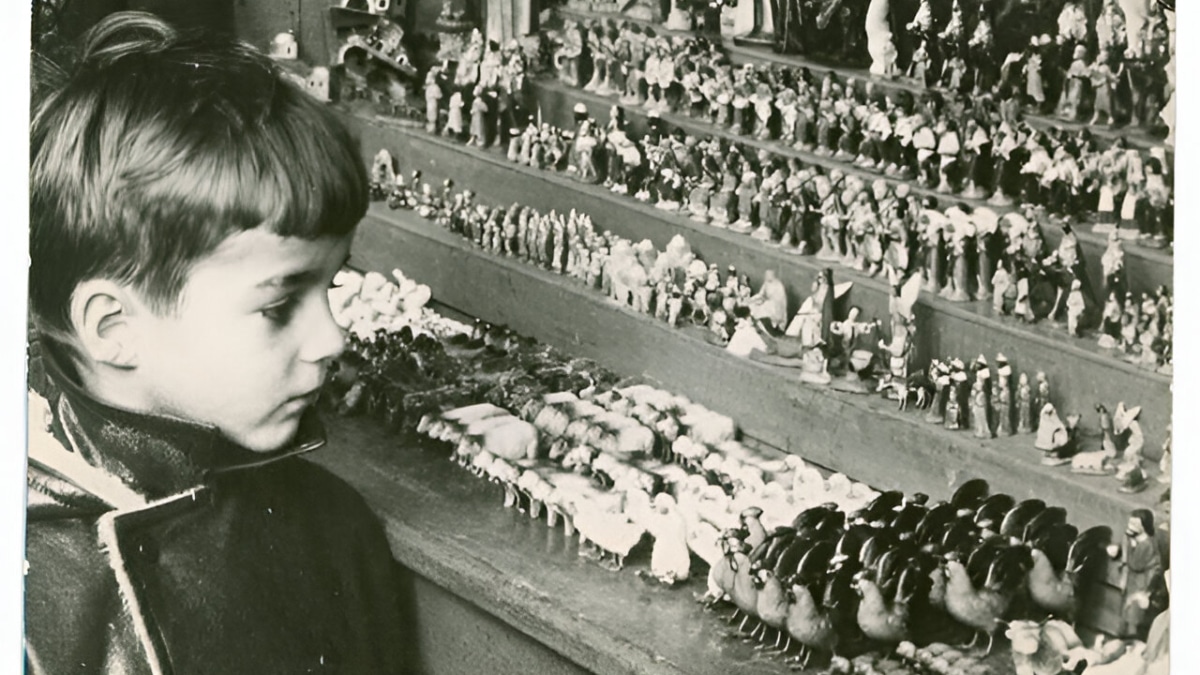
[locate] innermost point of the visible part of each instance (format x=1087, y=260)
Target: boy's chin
x=270, y=438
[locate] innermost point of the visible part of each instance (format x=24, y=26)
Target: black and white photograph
x=665, y=337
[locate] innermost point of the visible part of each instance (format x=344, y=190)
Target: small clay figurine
x=1001, y=287
x=1001, y=400
x=955, y=415
x=1104, y=79
x=979, y=406
x=939, y=374
x=1077, y=78
x=746, y=193
x=1054, y=437
x=454, y=119
x=1075, y=308
x=848, y=333
x=1041, y=394
x=479, y=116
x=1164, y=464
x=1126, y=425
x=963, y=230
x=770, y=303
x=1140, y=564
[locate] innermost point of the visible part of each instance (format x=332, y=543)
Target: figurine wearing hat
x=939, y=375
x=957, y=390
x=1002, y=397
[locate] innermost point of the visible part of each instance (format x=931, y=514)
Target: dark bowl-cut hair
x=159, y=146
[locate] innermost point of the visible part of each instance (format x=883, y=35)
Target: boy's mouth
x=300, y=403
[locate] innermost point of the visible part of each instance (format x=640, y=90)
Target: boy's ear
x=100, y=314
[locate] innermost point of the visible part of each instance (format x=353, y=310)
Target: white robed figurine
x=770, y=302
x=879, y=38
x=1051, y=433
x=806, y=325
x=746, y=339
x=679, y=18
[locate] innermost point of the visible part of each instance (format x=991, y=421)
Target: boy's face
x=249, y=345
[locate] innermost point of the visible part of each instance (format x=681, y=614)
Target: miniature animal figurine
x=1042, y=648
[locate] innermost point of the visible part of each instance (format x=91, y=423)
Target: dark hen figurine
x=982, y=607
x=1055, y=580
x=809, y=623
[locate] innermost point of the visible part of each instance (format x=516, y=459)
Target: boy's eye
x=281, y=311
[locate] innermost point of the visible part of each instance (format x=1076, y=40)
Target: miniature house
x=318, y=83
x=284, y=47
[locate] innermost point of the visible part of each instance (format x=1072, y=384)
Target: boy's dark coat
x=271, y=564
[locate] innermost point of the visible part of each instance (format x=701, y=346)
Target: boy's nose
x=325, y=339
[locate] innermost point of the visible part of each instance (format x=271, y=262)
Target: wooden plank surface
x=862, y=436
x=1080, y=374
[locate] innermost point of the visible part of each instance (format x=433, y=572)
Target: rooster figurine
x=1059, y=574
x=982, y=606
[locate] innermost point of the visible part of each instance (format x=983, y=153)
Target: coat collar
x=156, y=455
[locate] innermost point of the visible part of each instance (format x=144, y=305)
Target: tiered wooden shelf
x=1081, y=375
x=739, y=54
x=1148, y=268
x=862, y=436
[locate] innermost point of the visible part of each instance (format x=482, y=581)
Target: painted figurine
x=1140, y=564
x=1024, y=405
x=980, y=424
x=1001, y=400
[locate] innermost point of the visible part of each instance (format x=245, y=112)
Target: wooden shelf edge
x=821, y=425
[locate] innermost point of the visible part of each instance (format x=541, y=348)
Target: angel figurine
x=811, y=323
x=899, y=350
x=1126, y=426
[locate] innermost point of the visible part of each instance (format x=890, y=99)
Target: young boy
x=189, y=209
